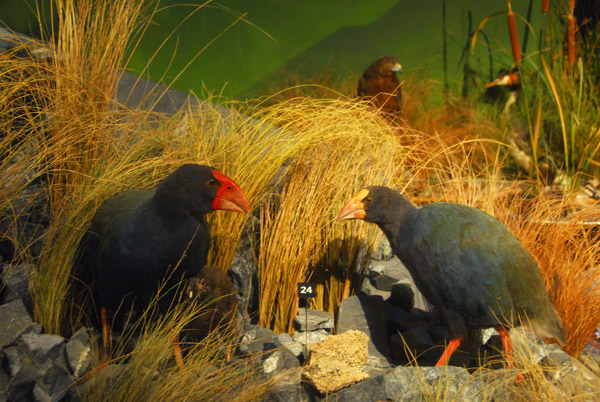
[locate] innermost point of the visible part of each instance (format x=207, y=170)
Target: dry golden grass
x=298, y=159
x=148, y=371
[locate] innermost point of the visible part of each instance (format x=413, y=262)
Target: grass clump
x=298, y=159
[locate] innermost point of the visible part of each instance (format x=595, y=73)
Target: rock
x=369, y=315
x=256, y=340
x=524, y=342
x=290, y=393
x=393, y=271
x=22, y=383
x=53, y=385
x=337, y=361
x=43, y=348
x=12, y=360
x=288, y=342
x=83, y=335
x=310, y=337
x=432, y=383
x=569, y=374
x=371, y=389
x=16, y=283
x=243, y=269
x=280, y=361
x=382, y=281
x=80, y=358
x=14, y=321
x=368, y=289
x=383, y=251
x=311, y=320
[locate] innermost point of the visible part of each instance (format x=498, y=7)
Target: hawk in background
x=380, y=83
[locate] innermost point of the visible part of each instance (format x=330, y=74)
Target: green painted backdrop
x=304, y=37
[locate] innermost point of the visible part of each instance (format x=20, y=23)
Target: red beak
x=230, y=196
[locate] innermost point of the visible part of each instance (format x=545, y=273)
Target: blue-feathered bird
x=143, y=240
x=465, y=262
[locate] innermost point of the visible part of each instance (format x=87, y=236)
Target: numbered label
x=306, y=290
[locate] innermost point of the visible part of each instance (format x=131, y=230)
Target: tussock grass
x=298, y=159
x=150, y=373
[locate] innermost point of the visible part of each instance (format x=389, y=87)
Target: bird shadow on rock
x=345, y=262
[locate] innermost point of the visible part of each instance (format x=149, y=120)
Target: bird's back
x=136, y=249
x=469, y=263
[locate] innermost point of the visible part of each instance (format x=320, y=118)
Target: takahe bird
x=213, y=288
x=465, y=262
x=380, y=83
x=143, y=240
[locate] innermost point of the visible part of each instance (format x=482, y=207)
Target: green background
x=305, y=37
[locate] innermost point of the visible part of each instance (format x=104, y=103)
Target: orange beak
x=505, y=80
x=354, y=209
x=230, y=196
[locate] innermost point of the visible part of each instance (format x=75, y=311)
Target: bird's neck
x=166, y=205
x=399, y=211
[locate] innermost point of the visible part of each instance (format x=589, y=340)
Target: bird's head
x=197, y=190
x=230, y=196
x=389, y=63
x=373, y=204
x=508, y=78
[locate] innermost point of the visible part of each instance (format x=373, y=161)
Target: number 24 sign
x=306, y=290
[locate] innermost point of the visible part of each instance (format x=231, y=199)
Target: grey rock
x=371, y=389
x=256, y=340
x=569, y=374
x=290, y=393
x=53, y=385
x=244, y=268
x=79, y=357
x=367, y=288
x=432, y=383
x=21, y=384
x=396, y=269
x=14, y=321
x=310, y=337
x=528, y=344
x=369, y=315
x=83, y=335
x=16, y=280
x=383, y=251
x=293, y=346
x=12, y=360
x=279, y=361
x=382, y=281
x=42, y=348
x=310, y=320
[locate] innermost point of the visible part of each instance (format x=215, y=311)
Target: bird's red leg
x=105, y=336
x=450, y=349
x=177, y=352
x=508, y=350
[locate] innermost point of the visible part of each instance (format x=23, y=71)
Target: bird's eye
x=203, y=282
x=368, y=200
x=213, y=182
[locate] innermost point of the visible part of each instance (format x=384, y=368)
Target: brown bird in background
x=380, y=83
